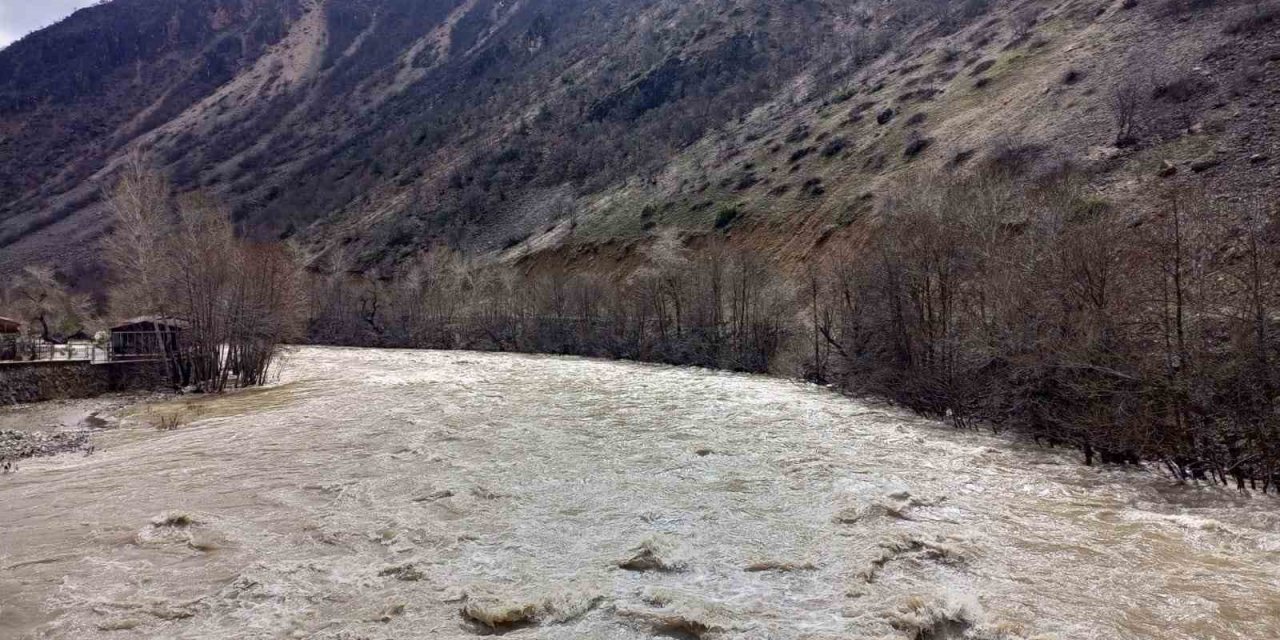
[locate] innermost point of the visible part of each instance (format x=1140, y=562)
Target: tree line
x=995, y=301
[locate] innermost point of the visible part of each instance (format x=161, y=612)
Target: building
x=10, y=330
x=147, y=338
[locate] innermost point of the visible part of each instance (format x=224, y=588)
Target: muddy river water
x=399, y=494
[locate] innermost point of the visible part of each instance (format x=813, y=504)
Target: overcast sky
x=20, y=17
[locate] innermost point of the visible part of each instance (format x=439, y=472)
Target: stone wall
x=58, y=380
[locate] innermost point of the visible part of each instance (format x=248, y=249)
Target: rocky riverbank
x=20, y=445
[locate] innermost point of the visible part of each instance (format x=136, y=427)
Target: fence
x=37, y=350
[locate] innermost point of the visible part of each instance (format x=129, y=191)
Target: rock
x=405, y=572
x=119, y=624
x=898, y=494
x=1258, y=158
x=780, y=566
x=1102, y=154
x=655, y=553
x=884, y=116
x=1204, y=164
x=1167, y=169
x=499, y=614
x=437, y=495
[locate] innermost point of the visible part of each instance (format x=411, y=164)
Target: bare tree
x=1127, y=100
x=182, y=259
x=41, y=298
x=134, y=252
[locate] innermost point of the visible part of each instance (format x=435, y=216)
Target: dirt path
x=386, y=494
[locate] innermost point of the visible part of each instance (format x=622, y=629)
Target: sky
x=20, y=17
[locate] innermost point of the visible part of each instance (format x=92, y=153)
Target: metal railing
x=36, y=350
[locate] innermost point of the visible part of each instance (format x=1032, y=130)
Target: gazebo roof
x=9, y=325
x=162, y=321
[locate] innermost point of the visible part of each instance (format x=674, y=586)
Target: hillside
x=381, y=127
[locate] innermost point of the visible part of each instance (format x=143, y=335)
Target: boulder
x=1204, y=164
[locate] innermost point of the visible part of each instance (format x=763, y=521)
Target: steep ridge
x=376, y=128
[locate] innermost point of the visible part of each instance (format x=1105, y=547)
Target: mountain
x=576, y=129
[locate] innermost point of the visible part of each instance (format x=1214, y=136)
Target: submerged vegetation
x=995, y=301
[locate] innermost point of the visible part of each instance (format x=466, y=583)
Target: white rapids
x=410, y=494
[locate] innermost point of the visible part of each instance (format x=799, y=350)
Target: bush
x=982, y=67
x=834, y=147
x=910, y=322
x=1012, y=157
x=799, y=134
x=800, y=154
x=1182, y=89
x=916, y=144
x=726, y=217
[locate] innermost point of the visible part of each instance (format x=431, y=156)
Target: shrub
x=962, y=157
x=916, y=144
x=1013, y=157
x=800, y=154
x=798, y=134
x=514, y=241
x=1182, y=89
x=834, y=147
x=981, y=67
x=726, y=217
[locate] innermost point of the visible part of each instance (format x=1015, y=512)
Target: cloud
x=20, y=17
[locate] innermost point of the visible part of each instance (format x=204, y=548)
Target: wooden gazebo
x=147, y=338
x=10, y=330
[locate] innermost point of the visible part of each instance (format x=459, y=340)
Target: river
x=412, y=494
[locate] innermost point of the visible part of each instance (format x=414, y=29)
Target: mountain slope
x=376, y=128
